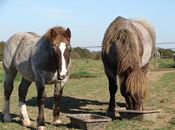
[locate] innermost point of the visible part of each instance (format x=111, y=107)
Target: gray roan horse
x=43, y=60
x=127, y=47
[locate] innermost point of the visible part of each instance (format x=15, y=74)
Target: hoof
x=26, y=122
x=111, y=114
x=41, y=128
x=7, y=118
x=57, y=122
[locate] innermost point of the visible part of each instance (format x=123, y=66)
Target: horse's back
x=147, y=38
x=17, y=51
x=148, y=26
x=139, y=30
x=10, y=48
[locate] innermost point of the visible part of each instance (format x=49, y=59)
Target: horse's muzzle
x=61, y=77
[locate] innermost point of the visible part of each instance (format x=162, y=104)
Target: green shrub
x=82, y=74
x=1, y=50
x=75, y=55
x=166, y=63
x=84, y=53
x=166, y=53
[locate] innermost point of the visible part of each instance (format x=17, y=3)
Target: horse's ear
x=53, y=33
x=67, y=33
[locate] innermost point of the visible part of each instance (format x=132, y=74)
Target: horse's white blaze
x=23, y=110
x=62, y=48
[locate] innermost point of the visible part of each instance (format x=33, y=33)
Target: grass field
x=87, y=92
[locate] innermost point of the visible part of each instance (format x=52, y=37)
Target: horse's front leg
x=41, y=97
x=125, y=94
x=112, y=90
x=57, y=97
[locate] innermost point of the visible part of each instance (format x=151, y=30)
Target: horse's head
x=59, y=38
x=136, y=88
x=135, y=101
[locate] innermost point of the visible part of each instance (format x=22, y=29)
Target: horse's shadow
x=71, y=105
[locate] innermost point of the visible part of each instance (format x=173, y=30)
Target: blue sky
x=87, y=20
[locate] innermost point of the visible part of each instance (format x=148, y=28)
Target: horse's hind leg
x=8, y=88
x=23, y=88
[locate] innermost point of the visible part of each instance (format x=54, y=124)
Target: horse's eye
x=69, y=48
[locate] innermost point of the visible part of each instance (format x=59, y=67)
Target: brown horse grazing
x=43, y=60
x=127, y=47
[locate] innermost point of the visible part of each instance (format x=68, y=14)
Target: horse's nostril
x=61, y=77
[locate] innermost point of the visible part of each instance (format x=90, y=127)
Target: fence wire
x=157, y=45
